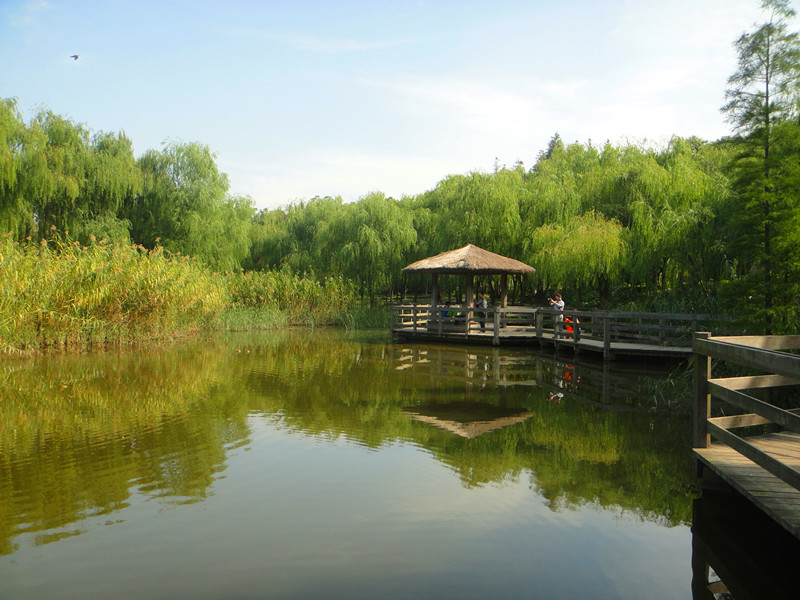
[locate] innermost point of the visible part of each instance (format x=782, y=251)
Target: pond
x=324, y=464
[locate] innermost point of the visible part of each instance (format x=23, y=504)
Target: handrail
x=610, y=327
x=757, y=352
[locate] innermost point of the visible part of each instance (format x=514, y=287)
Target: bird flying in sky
x=74, y=57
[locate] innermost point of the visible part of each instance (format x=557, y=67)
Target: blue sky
x=305, y=98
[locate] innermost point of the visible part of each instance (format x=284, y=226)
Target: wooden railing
x=765, y=354
x=460, y=319
x=606, y=327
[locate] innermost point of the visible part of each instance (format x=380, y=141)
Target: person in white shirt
x=481, y=303
x=558, y=304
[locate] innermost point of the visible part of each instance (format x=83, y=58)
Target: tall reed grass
x=301, y=301
x=64, y=295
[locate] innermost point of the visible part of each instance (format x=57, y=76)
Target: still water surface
x=321, y=464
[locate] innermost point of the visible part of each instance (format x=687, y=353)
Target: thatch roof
x=469, y=259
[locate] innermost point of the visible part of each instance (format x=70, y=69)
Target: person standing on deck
x=481, y=304
x=558, y=304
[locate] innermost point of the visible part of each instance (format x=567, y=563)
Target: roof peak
x=470, y=259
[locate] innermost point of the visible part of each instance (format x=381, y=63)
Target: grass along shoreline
x=61, y=295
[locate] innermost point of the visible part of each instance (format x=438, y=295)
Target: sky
x=305, y=98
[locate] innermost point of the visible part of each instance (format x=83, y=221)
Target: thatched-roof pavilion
x=470, y=261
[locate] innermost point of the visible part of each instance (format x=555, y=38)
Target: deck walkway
x=764, y=467
x=606, y=333
x=771, y=494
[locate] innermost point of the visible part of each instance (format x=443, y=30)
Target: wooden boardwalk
x=764, y=467
x=605, y=333
x=771, y=494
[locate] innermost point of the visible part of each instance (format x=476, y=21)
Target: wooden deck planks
x=526, y=336
x=772, y=495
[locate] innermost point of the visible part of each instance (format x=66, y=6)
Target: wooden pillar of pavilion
x=435, y=290
x=468, y=295
x=503, y=290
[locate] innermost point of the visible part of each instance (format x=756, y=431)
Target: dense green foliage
x=763, y=101
x=615, y=225
x=692, y=225
x=61, y=294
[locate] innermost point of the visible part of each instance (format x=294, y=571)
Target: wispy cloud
x=472, y=105
x=334, y=45
x=28, y=12
x=314, y=43
x=349, y=175
x=27, y=18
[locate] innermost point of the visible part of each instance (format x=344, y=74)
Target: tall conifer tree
x=762, y=106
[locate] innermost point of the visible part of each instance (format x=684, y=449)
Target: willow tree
x=15, y=210
x=67, y=178
x=184, y=206
x=478, y=208
x=554, y=185
x=583, y=255
x=113, y=178
x=57, y=170
x=670, y=199
x=270, y=242
x=762, y=106
x=367, y=241
x=304, y=224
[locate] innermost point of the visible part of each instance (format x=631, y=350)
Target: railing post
x=414, y=317
x=496, y=338
x=702, y=399
x=539, y=324
x=606, y=336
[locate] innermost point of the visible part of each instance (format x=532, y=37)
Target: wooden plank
x=776, y=467
x=789, y=436
x=757, y=479
x=771, y=446
x=785, y=495
x=736, y=421
x=776, y=501
x=771, y=361
x=789, y=449
x=767, y=342
x=788, y=455
x=756, y=381
x=774, y=497
x=655, y=315
x=786, y=419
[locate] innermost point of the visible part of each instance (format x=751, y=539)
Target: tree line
x=692, y=225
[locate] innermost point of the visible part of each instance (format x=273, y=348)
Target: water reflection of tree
x=79, y=435
x=574, y=452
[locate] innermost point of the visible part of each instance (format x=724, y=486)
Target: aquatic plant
x=60, y=294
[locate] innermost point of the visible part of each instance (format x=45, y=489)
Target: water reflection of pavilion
x=468, y=419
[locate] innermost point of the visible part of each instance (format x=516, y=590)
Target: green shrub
x=62, y=294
